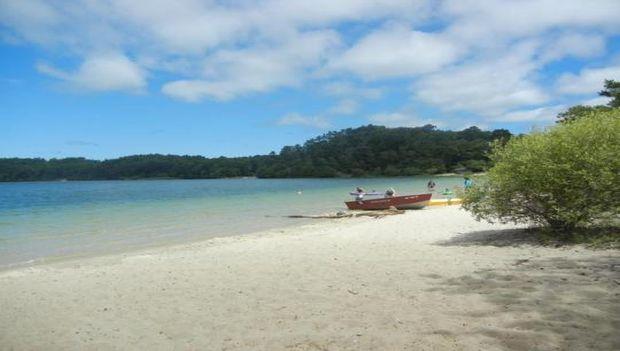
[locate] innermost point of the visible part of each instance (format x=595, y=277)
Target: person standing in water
x=431, y=185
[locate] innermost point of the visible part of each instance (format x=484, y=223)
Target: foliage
x=565, y=177
x=612, y=90
x=579, y=111
x=365, y=151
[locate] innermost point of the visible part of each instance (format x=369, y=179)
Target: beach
x=433, y=279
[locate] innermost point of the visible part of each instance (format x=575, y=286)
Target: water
x=45, y=220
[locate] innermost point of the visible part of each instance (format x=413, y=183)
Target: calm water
x=45, y=220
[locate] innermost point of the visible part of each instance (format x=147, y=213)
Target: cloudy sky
x=105, y=78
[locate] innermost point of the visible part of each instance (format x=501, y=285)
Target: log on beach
x=374, y=214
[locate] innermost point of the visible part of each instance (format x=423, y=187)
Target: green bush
x=564, y=177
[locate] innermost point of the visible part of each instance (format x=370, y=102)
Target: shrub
x=566, y=176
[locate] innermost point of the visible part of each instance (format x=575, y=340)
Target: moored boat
x=404, y=202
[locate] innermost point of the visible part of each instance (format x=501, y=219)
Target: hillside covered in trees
x=364, y=151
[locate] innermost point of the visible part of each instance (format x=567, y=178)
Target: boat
x=374, y=193
x=404, y=202
x=445, y=202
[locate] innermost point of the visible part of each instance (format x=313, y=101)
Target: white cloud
x=306, y=121
x=182, y=26
x=229, y=73
x=574, y=44
x=31, y=19
x=542, y=114
x=588, y=81
x=101, y=73
x=186, y=26
x=601, y=100
x=321, y=12
x=488, y=86
x=350, y=96
x=487, y=22
x=191, y=90
x=259, y=38
x=482, y=57
x=345, y=107
x=400, y=119
x=395, y=52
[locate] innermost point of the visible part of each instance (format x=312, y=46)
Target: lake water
x=45, y=220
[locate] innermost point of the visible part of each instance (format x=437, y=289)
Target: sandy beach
x=433, y=279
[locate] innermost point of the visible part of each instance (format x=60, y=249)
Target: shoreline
x=430, y=279
x=60, y=221
x=294, y=229
x=308, y=224
x=139, y=250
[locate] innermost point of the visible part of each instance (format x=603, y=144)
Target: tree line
x=353, y=152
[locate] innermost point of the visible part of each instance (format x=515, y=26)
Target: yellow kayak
x=444, y=202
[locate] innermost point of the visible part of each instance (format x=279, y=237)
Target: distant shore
x=245, y=177
x=429, y=279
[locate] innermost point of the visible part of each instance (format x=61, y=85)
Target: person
x=447, y=193
x=390, y=192
x=431, y=185
x=360, y=194
x=468, y=183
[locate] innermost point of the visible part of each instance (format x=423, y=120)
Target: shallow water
x=45, y=220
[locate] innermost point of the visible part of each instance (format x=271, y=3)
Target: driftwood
x=351, y=214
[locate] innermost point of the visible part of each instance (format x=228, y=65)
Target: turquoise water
x=45, y=220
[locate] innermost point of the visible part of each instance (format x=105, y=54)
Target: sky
x=108, y=78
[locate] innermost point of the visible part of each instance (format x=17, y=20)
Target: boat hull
x=406, y=202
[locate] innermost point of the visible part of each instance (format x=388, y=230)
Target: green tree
x=612, y=90
x=564, y=177
x=579, y=111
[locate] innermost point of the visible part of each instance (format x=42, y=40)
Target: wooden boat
x=404, y=202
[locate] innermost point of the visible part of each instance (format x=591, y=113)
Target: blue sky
x=107, y=78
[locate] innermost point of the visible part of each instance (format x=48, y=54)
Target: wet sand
x=433, y=279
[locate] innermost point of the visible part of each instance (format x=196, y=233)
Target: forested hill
x=364, y=151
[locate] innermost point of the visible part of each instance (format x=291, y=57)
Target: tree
x=564, y=177
x=612, y=90
x=579, y=111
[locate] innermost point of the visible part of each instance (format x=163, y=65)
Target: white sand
x=354, y=284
